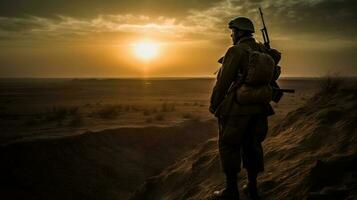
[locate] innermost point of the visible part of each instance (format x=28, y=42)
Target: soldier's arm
x=226, y=76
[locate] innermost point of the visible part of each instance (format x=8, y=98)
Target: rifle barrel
x=264, y=30
x=261, y=15
x=287, y=90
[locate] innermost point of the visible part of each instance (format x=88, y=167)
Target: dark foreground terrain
x=109, y=164
x=310, y=154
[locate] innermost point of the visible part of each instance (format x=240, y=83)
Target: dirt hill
x=311, y=154
x=108, y=164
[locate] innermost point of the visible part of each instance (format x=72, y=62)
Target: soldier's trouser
x=241, y=137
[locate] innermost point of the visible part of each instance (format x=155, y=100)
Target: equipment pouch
x=247, y=94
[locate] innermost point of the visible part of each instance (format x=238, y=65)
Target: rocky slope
x=311, y=154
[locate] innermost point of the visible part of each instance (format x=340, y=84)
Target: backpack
x=260, y=68
x=260, y=72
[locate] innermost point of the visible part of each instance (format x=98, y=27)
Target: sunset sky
x=97, y=38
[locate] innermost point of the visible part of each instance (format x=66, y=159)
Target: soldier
x=242, y=127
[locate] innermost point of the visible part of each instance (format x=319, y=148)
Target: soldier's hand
x=212, y=109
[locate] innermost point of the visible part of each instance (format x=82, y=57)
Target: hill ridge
x=311, y=155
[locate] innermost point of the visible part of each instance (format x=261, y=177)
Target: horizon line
x=160, y=77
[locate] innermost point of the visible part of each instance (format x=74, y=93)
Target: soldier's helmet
x=242, y=23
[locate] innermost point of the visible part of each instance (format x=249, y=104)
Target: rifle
x=277, y=91
x=284, y=90
x=264, y=30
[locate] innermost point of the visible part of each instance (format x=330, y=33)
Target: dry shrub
x=127, y=108
x=134, y=108
x=195, y=103
x=108, y=112
x=76, y=120
x=73, y=110
x=154, y=110
x=190, y=116
x=160, y=117
x=330, y=84
x=87, y=105
x=168, y=107
x=187, y=116
x=146, y=112
x=149, y=120
x=58, y=113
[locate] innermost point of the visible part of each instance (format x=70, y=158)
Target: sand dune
x=95, y=165
x=311, y=155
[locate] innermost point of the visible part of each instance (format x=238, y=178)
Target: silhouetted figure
x=240, y=100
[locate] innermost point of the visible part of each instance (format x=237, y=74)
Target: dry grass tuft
x=168, y=107
x=187, y=116
x=147, y=112
x=149, y=120
x=190, y=116
x=330, y=84
x=76, y=121
x=108, y=112
x=57, y=113
x=160, y=117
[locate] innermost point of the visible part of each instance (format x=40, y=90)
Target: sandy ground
x=58, y=107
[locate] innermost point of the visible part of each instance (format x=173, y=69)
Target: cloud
x=287, y=20
x=40, y=27
x=89, y=9
x=314, y=35
x=207, y=24
x=70, y=28
x=326, y=18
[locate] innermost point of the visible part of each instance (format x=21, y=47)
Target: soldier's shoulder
x=255, y=46
x=238, y=48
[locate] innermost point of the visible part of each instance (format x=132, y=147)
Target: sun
x=146, y=50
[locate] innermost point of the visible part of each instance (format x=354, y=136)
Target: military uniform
x=242, y=127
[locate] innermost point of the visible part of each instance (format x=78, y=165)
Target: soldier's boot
x=230, y=192
x=251, y=189
x=226, y=194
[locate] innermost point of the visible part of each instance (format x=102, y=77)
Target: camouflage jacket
x=235, y=62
